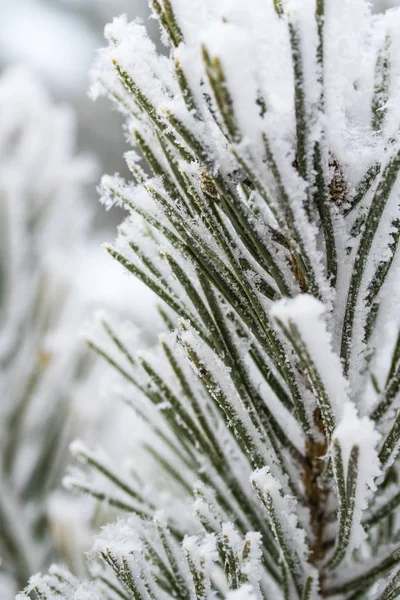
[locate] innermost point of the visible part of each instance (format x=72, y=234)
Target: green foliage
x=269, y=247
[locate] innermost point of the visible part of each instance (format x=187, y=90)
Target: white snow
x=254, y=48
x=308, y=315
x=57, y=45
x=245, y=592
x=355, y=431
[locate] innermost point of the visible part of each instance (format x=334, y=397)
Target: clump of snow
x=309, y=316
x=355, y=431
x=245, y=592
x=285, y=509
x=229, y=43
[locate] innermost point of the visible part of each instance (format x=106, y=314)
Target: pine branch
x=263, y=216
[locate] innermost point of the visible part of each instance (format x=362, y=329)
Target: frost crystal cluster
x=41, y=216
x=263, y=211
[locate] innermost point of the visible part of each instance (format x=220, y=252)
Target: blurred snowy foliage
x=382, y=5
x=51, y=278
x=44, y=367
x=58, y=39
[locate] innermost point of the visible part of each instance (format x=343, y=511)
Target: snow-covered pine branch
x=263, y=212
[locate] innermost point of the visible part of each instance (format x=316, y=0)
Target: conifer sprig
x=266, y=221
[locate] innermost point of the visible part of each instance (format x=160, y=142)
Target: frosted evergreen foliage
x=42, y=222
x=263, y=211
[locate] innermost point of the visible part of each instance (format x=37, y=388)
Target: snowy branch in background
x=43, y=366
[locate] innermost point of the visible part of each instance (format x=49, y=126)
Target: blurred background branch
x=58, y=40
